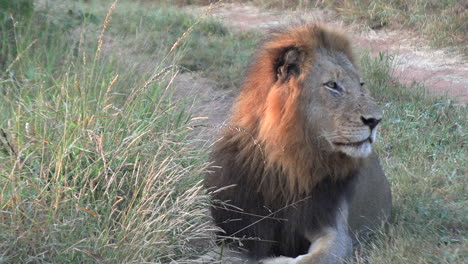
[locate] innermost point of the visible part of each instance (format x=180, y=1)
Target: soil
x=211, y=107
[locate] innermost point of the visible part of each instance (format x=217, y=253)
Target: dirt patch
x=442, y=72
x=211, y=104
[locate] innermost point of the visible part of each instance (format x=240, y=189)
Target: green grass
x=95, y=162
x=97, y=165
x=209, y=49
x=423, y=150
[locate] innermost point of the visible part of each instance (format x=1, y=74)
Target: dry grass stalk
x=104, y=27
x=190, y=29
x=109, y=88
x=157, y=75
x=20, y=55
x=152, y=79
x=81, y=43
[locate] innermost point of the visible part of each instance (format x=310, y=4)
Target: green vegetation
x=96, y=163
x=15, y=8
x=209, y=48
x=423, y=151
x=8, y=9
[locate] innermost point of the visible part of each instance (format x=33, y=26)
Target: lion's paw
x=278, y=260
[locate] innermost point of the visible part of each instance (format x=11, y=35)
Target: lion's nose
x=371, y=121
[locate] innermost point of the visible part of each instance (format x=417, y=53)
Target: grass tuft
x=95, y=162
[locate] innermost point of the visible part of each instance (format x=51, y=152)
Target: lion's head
x=338, y=105
x=306, y=103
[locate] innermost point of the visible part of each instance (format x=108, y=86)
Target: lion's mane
x=272, y=136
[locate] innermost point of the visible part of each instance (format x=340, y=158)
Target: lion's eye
x=362, y=84
x=333, y=87
x=331, y=84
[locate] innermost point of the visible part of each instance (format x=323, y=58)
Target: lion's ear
x=288, y=64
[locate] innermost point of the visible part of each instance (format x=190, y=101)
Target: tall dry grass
x=95, y=161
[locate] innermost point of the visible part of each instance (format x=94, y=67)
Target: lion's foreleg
x=330, y=245
x=330, y=248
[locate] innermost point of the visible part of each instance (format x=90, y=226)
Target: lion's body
x=274, y=228
x=284, y=174
x=371, y=201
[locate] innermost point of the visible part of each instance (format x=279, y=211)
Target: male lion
x=296, y=168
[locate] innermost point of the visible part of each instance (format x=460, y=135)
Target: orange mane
x=270, y=111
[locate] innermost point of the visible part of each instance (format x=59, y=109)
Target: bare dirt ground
x=440, y=71
x=210, y=108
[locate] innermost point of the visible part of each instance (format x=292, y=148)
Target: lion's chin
x=355, y=150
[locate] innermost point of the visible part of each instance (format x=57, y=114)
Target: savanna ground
x=103, y=130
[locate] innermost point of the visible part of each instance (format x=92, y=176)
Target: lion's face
x=307, y=111
x=339, y=106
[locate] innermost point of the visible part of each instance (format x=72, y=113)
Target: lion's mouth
x=355, y=144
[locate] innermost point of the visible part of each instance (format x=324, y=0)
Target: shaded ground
x=441, y=72
x=211, y=106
